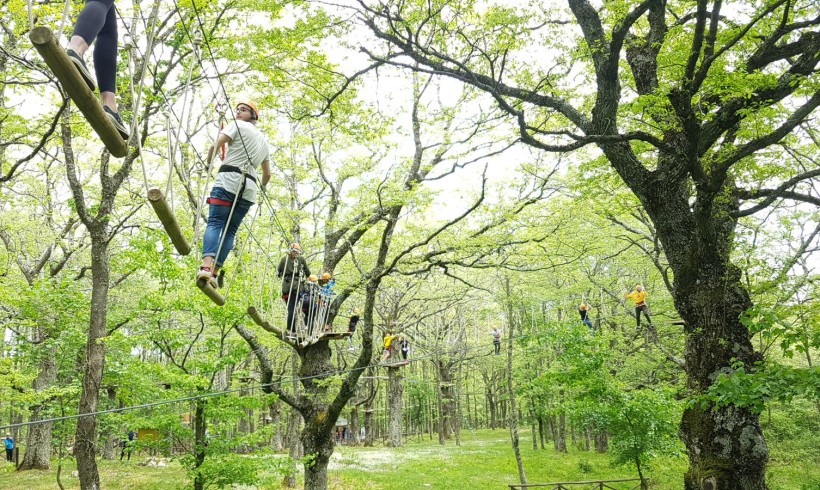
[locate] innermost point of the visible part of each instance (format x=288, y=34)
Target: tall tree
x=683, y=100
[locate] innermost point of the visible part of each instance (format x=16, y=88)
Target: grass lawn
x=483, y=461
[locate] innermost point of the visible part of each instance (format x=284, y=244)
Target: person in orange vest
x=639, y=296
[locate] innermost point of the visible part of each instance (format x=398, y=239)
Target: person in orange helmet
x=235, y=187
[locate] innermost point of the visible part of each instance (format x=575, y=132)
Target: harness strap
x=236, y=170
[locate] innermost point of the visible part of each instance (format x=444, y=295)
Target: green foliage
x=643, y=426
x=769, y=381
x=227, y=470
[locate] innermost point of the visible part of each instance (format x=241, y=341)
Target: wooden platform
x=74, y=85
x=395, y=364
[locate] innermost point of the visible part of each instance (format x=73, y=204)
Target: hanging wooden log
x=210, y=292
x=168, y=220
x=72, y=82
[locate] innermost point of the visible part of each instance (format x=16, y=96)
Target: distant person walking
x=128, y=445
x=9, y=441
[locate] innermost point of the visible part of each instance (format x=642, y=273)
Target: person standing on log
x=235, y=186
x=98, y=21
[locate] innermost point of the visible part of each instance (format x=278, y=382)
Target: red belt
x=218, y=202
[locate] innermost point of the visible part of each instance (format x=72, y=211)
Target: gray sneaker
x=80, y=64
x=117, y=121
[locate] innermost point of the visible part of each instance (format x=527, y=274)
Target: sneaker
x=80, y=64
x=116, y=120
x=220, y=278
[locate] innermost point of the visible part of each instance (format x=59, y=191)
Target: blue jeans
x=217, y=219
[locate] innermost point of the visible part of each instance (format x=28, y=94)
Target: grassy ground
x=483, y=461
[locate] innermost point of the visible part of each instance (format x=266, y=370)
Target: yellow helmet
x=295, y=248
x=250, y=104
x=326, y=276
x=312, y=278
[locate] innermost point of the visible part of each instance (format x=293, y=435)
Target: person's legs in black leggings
x=645, y=310
x=638, y=315
x=98, y=21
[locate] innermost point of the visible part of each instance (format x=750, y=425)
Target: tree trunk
x=317, y=436
x=561, y=441
x=522, y=476
x=276, y=420
x=448, y=409
x=533, y=424
x=458, y=415
x=38, y=448
x=369, y=426
x=86, y=438
x=111, y=433
x=200, y=442
x=725, y=445
x=601, y=441
x=355, y=427
x=318, y=444
x=395, y=390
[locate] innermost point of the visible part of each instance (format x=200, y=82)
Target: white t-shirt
x=246, y=151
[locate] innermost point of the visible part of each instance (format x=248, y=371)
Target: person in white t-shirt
x=237, y=180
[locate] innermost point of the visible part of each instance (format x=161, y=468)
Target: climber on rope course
x=639, y=296
x=235, y=187
x=387, y=350
x=496, y=333
x=583, y=310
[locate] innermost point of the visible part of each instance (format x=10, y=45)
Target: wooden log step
x=168, y=220
x=205, y=286
x=72, y=82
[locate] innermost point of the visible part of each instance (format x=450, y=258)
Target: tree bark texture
x=317, y=435
x=86, y=438
x=38, y=447
x=522, y=475
x=355, y=425
x=200, y=442
x=448, y=405
x=369, y=425
x=395, y=392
